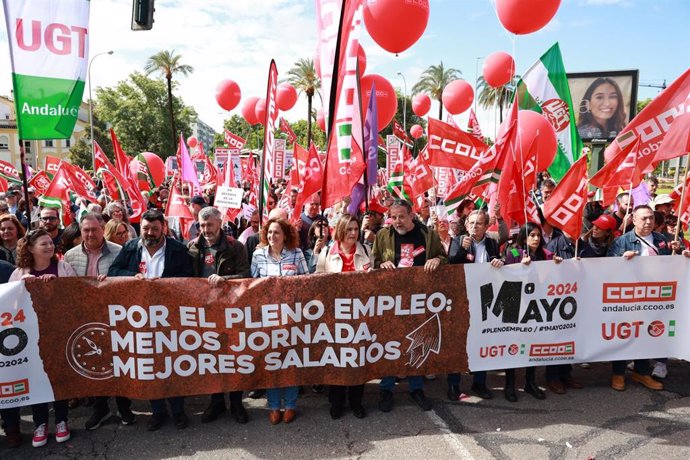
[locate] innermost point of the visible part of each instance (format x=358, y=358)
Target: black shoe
x=386, y=401
x=212, y=412
x=156, y=421
x=454, y=392
x=336, y=412
x=510, y=394
x=317, y=388
x=127, y=417
x=418, y=397
x=358, y=411
x=96, y=419
x=181, y=421
x=482, y=391
x=256, y=394
x=533, y=389
x=239, y=413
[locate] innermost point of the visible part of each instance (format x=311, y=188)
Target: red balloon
x=321, y=120
x=416, y=131
x=421, y=104
x=286, y=96
x=526, y=16
x=396, y=24
x=498, y=69
x=192, y=141
x=457, y=96
x=249, y=110
x=531, y=124
x=228, y=94
x=361, y=59
x=386, y=99
x=155, y=166
x=260, y=111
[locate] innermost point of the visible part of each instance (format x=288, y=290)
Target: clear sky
x=236, y=39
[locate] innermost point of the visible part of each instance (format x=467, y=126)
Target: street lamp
x=404, y=102
x=93, y=153
x=476, y=80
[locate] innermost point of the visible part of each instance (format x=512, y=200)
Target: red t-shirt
x=348, y=259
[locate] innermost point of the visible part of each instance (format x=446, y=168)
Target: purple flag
x=187, y=170
x=371, y=154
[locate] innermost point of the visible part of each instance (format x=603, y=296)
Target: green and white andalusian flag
x=544, y=88
x=49, y=47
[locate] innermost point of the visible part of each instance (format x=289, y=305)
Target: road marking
x=451, y=438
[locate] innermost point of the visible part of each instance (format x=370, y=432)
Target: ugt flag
x=49, y=48
x=544, y=89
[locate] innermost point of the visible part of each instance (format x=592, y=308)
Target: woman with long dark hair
x=529, y=247
x=36, y=260
x=602, y=112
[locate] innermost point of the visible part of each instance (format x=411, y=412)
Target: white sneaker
x=62, y=433
x=660, y=371
x=40, y=438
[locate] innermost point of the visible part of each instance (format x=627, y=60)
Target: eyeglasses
x=49, y=218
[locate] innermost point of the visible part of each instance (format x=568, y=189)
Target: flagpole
x=27, y=201
x=683, y=191
x=632, y=179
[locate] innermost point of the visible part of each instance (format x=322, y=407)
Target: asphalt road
x=596, y=422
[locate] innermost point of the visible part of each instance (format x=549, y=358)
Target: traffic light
x=142, y=14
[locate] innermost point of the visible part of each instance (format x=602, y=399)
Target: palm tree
x=303, y=77
x=433, y=80
x=489, y=96
x=168, y=64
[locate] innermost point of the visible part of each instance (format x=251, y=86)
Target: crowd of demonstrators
x=386, y=234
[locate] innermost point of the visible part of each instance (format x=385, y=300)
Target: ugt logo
x=506, y=305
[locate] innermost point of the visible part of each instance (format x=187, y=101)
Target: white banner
x=393, y=153
x=279, y=159
x=579, y=311
x=229, y=197
x=19, y=353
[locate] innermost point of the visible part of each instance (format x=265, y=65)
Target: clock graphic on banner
x=88, y=351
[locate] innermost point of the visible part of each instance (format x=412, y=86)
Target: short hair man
x=49, y=220
x=406, y=243
x=152, y=256
x=623, y=214
x=218, y=258
x=547, y=187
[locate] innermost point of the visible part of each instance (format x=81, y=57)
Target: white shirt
x=152, y=266
x=480, y=254
x=647, y=249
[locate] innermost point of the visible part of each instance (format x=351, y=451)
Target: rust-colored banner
x=150, y=339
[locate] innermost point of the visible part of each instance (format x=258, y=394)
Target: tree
x=168, y=63
x=488, y=96
x=433, y=81
x=303, y=77
x=80, y=153
x=642, y=104
x=405, y=103
x=301, y=129
x=137, y=110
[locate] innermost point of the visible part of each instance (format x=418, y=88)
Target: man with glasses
x=49, y=220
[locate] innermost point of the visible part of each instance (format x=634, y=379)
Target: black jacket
x=231, y=257
x=178, y=262
x=458, y=255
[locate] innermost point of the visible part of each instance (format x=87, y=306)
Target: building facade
x=204, y=133
x=35, y=151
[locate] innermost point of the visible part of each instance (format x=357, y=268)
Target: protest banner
x=229, y=197
x=589, y=310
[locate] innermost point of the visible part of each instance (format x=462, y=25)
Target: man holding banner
x=406, y=243
x=219, y=257
x=641, y=241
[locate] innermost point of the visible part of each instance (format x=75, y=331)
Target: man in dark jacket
x=153, y=256
x=218, y=258
x=475, y=247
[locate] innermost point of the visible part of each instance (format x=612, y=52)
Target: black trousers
x=337, y=394
x=123, y=404
x=219, y=398
x=40, y=412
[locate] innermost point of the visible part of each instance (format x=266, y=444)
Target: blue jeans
x=176, y=405
x=275, y=395
x=413, y=383
x=479, y=378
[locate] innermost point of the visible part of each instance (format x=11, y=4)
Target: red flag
x=121, y=159
x=399, y=132
x=345, y=157
x=565, y=207
x=626, y=169
x=451, y=121
x=119, y=186
x=82, y=180
x=40, y=181
x=200, y=154
x=421, y=176
x=682, y=209
x=308, y=165
x=677, y=140
x=654, y=121
x=51, y=165
x=234, y=141
x=473, y=126
x=451, y=147
x=268, y=159
x=4, y=186
x=9, y=172
x=285, y=127
x=210, y=172
x=177, y=206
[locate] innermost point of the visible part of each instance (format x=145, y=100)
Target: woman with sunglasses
x=36, y=260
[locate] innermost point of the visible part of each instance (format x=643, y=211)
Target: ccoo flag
x=49, y=48
x=544, y=89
